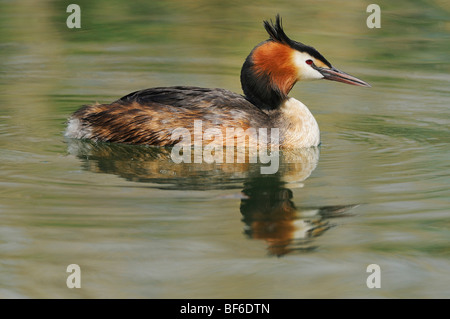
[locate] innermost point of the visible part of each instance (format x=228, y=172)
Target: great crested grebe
x=270, y=71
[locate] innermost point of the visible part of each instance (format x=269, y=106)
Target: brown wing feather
x=150, y=116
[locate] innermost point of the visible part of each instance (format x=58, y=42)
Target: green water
x=140, y=226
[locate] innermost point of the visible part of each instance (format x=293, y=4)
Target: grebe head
x=275, y=65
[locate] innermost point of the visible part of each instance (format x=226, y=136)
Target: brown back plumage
x=150, y=116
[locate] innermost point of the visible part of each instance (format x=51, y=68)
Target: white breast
x=299, y=128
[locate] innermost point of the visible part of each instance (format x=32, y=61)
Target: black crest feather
x=276, y=31
x=277, y=34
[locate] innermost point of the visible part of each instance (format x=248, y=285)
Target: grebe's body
x=270, y=71
x=150, y=116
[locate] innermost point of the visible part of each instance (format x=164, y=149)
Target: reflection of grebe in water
x=267, y=204
x=270, y=71
x=270, y=214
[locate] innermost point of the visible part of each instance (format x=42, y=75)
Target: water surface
x=375, y=192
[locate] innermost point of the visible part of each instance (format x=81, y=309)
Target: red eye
x=309, y=62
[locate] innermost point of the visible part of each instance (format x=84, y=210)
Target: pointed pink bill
x=334, y=74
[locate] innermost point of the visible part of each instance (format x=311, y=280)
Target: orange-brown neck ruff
x=275, y=60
